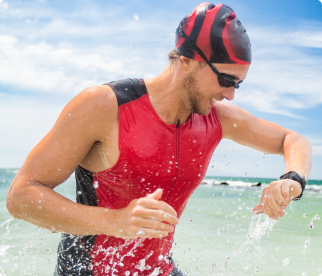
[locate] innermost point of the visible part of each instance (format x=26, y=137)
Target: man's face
x=201, y=87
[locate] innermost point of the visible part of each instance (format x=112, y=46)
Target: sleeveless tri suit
x=152, y=155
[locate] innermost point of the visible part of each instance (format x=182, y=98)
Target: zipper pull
x=178, y=123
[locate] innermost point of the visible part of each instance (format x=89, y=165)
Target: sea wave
x=232, y=183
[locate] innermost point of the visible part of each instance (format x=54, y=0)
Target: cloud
x=65, y=53
x=316, y=145
x=3, y=6
x=284, y=76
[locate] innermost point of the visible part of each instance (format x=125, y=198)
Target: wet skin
x=86, y=134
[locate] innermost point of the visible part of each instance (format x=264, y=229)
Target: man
x=141, y=147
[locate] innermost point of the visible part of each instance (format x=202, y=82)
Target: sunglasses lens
x=226, y=80
x=237, y=85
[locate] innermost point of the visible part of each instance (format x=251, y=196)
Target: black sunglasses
x=224, y=80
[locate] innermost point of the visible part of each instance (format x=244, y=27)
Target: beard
x=193, y=95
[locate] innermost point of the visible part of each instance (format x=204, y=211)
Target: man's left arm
x=243, y=128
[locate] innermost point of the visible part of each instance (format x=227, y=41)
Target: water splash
x=259, y=225
x=316, y=217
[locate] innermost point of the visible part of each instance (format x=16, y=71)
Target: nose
x=229, y=93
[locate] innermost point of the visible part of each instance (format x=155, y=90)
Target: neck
x=164, y=93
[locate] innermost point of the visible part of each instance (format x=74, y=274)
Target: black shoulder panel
x=85, y=192
x=128, y=90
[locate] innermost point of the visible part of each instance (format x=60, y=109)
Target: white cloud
x=3, y=6
x=283, y=77
x=56, y=52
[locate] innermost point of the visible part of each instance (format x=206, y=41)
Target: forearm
x=42, y=206
x=297, y=152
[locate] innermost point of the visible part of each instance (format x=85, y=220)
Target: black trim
x=85, y=191
x=73, y=254
x=127, y=90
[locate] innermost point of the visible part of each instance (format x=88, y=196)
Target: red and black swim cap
x=217, y=32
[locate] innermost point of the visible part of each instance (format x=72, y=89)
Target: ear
x=186, y=63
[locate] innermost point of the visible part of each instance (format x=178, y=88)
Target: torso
x=147, y=154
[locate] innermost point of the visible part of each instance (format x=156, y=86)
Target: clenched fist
x=145, y=217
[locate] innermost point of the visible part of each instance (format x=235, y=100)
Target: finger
x=258, y=209
x=265, y=206
x=157, y=205
x=277, y=194
x=156, y=214
x=272, y=204
x=152, y=224
x=150, y=233
x=156, y=195
x=286, y=193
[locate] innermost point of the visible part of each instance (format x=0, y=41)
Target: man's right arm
x=84, y=121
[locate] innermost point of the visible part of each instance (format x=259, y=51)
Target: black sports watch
x=296, y=177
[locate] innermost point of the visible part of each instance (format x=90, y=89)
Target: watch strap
x=296, y=177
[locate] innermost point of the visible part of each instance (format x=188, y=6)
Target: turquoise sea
x=217, y=234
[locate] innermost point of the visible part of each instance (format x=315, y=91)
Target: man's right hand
x=145, y=217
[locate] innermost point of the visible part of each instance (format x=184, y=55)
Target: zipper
x=177, y=159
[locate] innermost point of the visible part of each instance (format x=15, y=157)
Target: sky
x=52, y=50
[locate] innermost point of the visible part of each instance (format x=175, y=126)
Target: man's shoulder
x=228, y=111
x=93, y=109
x=98, y=101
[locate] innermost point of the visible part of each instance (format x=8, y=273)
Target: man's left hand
x=277, y=196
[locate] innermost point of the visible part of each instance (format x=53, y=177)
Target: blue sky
x=52, y=50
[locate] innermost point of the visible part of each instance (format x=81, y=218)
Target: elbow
x=292, y=138
x=14, y=204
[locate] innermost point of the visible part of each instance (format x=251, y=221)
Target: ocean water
x=217, y=234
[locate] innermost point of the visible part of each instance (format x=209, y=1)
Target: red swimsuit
x=152, y=155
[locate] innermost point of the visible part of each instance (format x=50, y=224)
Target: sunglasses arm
x=197, y=49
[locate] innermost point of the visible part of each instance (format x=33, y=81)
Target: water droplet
x=316, y=217
x=127, y=273
x=143, y=179
x=140, y=233
x=223, y=194
x=199, y=175
x=95, y=184
x=304, y=215
x=240, y=208
x=160, y=257
x=170, y=162
x=265, y=154
x=235, y=125
x=292, y=189
x=285, y=261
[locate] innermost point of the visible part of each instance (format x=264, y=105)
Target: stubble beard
x=193, y=95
